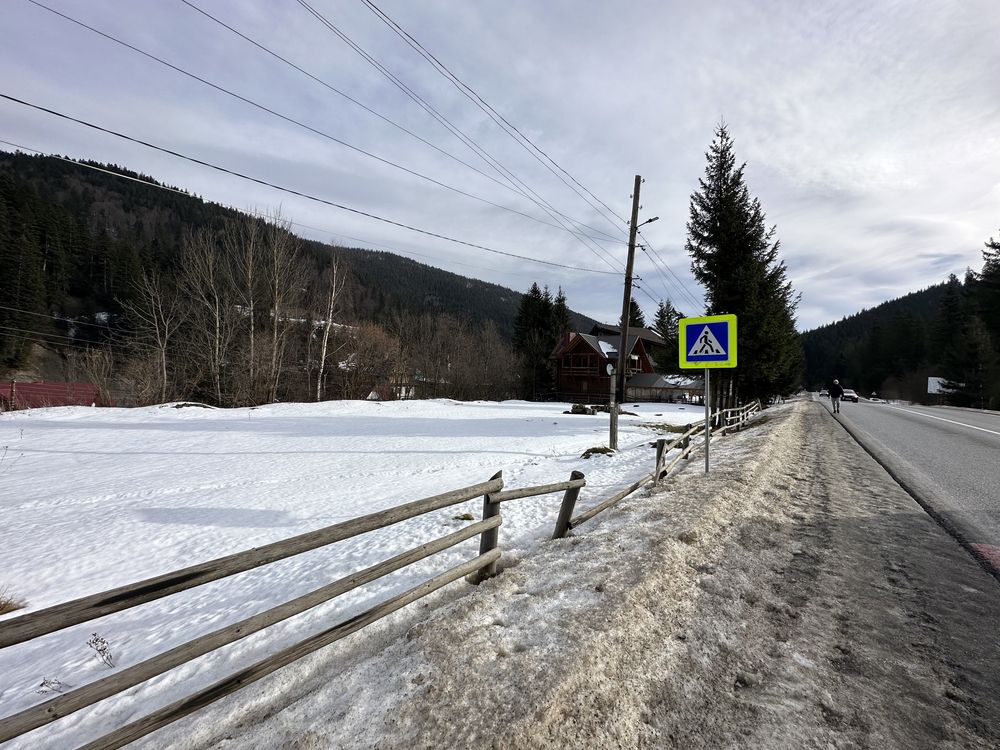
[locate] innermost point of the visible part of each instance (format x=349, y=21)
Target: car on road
x=824, y=392
x=849, y=395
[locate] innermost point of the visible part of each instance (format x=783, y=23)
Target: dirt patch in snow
x=794, y=597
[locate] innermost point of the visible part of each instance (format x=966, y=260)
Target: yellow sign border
x=682, y=325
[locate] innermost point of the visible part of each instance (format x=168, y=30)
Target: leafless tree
x=370, y=361
x=205, y=282
x=332, y=283
x=284, y=277
x=97, y=367
x=155, y=314
x=243, y=244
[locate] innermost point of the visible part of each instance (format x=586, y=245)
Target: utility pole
x=618, y=377
x=627, y=298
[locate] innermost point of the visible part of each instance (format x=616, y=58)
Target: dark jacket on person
x=836, y=391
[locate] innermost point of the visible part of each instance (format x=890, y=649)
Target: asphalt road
x=949, y=456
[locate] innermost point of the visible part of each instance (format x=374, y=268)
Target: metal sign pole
x=709, y=341
x=708, y=417
x=612, y=412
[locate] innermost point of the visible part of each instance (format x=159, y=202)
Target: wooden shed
x=15, y=395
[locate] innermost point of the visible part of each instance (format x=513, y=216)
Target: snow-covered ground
x=97, y=498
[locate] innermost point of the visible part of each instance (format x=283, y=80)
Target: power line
x=672, y=290
x=476, y=99
x=300, y=194
x=636, y=285
x=43, y=342
x=688, y=294
x=368, y=109
x=39, y=333
x=374, y=244
x=524, y=189
x=293, y=121
x=104, y=327
x=346, y=96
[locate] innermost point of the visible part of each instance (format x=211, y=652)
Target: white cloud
x=871, y=129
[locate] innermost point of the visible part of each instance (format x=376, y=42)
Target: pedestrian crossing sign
x=707, y=342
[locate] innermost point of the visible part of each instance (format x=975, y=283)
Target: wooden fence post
x=661, y=446
x=490, y=538
x=687, y=444
x=566, y=509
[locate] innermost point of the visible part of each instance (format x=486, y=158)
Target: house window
x=581, y=364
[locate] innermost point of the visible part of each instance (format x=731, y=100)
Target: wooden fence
x=734, y=419
x=60, y=616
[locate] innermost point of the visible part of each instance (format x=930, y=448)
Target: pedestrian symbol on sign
x=706, y=343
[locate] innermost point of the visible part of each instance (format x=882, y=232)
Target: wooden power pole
x=627, y=298
x=626, y=310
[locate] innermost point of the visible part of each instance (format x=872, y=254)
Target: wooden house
x=581, y=361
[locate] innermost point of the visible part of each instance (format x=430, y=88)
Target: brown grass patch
x=8, y=603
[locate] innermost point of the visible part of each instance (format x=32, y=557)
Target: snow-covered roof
x=655, y=380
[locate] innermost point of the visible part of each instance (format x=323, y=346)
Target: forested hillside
x=950, y=331
x=90, y=256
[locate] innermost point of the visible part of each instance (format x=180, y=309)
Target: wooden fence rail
x=51, y=619
x=65, y=704
x=735, y=418
x=35, y=624
x=91, y=607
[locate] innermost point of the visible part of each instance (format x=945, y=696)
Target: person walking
x=836, y=393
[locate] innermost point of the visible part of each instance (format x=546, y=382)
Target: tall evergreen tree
x=665, y=323
x=666, y=320
x=734, y=255
x=972, y=366
x=560, y=314
x=950, y=320
x=636, y=319
x=988, y=290
x=535, y=337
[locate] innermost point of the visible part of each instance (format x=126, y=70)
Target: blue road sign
x=707, y=341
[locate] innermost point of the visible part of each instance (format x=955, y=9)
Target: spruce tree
x=988, y=290
x=560, y=314
x=950, y=320
x=534, y=338
x=665, y=324
x=636, y=319
x=734, y=255
x=665, y=321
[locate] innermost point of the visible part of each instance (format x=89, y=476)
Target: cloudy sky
x=870, y=128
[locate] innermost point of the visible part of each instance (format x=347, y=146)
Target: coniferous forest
x=949, y=331
x=154, y=294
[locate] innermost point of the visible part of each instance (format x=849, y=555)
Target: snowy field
x=97, y=498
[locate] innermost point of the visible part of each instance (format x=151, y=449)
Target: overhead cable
x=291, y=191
x=298, y=123
x=475, y=147
x=499, y=119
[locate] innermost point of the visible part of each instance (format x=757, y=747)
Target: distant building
x=656, y=387
x=15, y=395
x=581, y=361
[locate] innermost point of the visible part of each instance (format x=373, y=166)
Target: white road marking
x=952, y=421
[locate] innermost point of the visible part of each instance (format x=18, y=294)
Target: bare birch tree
x=243, y=241
x=205, y=282
x=332, y=282
x=284, y=280
x=155, y=314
